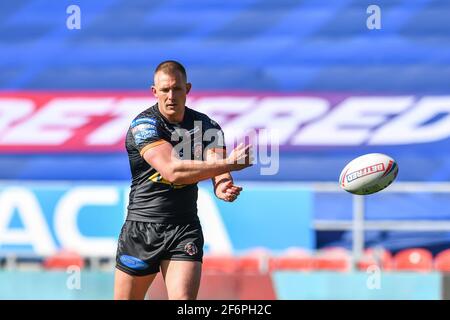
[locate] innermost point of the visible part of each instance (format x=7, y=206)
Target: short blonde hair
x=169, y=66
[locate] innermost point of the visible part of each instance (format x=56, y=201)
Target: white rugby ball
x=368, y=174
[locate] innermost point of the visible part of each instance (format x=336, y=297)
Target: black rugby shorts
x=142, y=245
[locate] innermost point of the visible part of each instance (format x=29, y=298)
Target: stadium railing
x=359, y=224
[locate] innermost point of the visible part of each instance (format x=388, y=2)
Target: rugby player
x=170, y=148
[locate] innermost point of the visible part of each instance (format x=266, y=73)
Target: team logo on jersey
x=190, y=248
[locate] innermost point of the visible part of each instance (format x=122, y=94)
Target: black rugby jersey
x=152, y=198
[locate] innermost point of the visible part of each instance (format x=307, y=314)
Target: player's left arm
x=224, y=187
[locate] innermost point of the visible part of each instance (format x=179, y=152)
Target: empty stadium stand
x=414, y=259
x=442, y=261
x=231, y=45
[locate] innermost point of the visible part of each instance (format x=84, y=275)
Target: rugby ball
x=368, y=174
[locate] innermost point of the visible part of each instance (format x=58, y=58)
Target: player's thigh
x=139, y=249
x=182, y=278
x=130, y=287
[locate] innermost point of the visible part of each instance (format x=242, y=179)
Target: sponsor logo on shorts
x=365, y=172
x=190, y=248
x=133, y=262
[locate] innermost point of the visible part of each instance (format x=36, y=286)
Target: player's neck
x=173, y=118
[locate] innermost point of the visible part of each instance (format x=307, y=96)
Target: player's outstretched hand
x=241, y=157
x=227, y=191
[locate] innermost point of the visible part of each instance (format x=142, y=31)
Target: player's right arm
x=163, y=158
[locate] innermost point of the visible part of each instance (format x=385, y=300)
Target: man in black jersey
x=170, y=148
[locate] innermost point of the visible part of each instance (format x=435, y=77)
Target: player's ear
x=153, y=88
x=188, y=87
